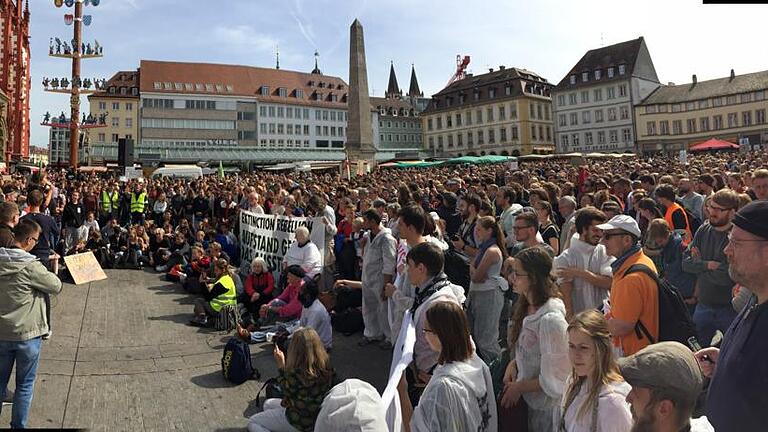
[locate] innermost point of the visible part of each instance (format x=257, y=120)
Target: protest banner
x=84, y=268
x=270, y=236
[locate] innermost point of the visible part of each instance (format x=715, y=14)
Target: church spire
x=413, y=89
x=393, y=90
x=316, y=70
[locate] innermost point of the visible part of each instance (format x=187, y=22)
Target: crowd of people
x=540, y=295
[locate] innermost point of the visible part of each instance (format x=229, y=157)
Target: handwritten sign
x=84, y=268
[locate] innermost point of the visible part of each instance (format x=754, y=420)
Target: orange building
x=15, y=76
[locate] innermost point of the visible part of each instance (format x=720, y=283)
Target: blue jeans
x=710, y=318
x=26, y=355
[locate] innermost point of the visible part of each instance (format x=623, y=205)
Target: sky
x=548, y=37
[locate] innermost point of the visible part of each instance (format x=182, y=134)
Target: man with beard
x=705, y=259
x=584, y=269
x=666, y=381
x=705, y=185
x=469, y=206
x=737, y=399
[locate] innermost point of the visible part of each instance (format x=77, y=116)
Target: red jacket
x=262, y=283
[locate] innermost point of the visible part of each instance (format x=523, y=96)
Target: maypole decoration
x=74, y=85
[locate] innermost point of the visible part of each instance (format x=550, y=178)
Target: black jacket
x=73, y=215
x=7, y=239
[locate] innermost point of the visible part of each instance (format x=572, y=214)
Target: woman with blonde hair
x=306, y=376
x=595, y=393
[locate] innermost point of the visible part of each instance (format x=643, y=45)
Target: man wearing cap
x=634, y=298
x=666, y=381
x=738, y=394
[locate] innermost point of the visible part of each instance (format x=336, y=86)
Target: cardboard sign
x=84, y=268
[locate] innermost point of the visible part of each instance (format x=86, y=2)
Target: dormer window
x=209, y=88
x=178, y=86
x=318, y=96
x=492, y=93
x=573, y=79
x=199, y=87
x=622, y=69
x=112, y=89
x=610, y=72
x=123, y=91
x=334, y=97
x=584, y=76
x=598, y=74
x=299, y=94
x=339, y=87
x=264, y=91
x=219, y=88
x=282, y=92
x=462, y=98
x=158, y=86
x=321, y=84
x=230, y=89
x=477, y=94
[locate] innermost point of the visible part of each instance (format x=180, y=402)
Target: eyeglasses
x=720, y=209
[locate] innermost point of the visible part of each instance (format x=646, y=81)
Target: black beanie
x=753, y=218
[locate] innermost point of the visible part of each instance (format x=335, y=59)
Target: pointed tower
x=393, y=90
x=359, y=133
x=316, y=70
x=413, y=88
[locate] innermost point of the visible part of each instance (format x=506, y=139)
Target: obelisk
x=359, y=132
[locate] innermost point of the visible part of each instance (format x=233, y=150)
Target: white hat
x=624, y=223
x=353, y=405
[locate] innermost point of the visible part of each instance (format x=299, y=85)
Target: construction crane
x=461, y=68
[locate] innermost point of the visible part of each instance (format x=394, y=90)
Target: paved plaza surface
x=122, y=358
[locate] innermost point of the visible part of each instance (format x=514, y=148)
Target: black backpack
x=236, y=362
x=675, y=323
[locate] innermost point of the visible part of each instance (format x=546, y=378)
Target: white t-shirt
x=317, y=318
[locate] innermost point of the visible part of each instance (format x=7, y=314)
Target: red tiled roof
x=127, y=79
x=237, y=80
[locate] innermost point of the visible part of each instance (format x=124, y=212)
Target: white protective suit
x=583, y=255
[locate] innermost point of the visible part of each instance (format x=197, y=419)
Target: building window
x=586, y=117
x=703, y=104
x=676, y=108
x=564, y=140
x=760, y=116
x=598, y=74
x=262, y=111
x=622, y=90
x=598, y=95
x=476, y=94
x=502, y=113
x=560, y=100
x=429, y=124
x=588, y=138
x=704, y=124
x=574, y=119
x=431, y=141
x=448, y=122
x=468, y=115
x=533, y=133
x=265, y=90
x=470, y=139
x=601, y=137
x=733, y=120
x=282, y=92
x=623, y=113
x=730, y=100
x=746, y=118
x=572, y=98
x=491, y=136
x=584, y=76
x=515, y=134
x=651, y=128
x=503, y=134
x=491, y=93
x=622, y=69
x=489, y=114
x=263, y=128
x=691, y=124
x=114, y=138
x=718, y=101
x=115, y=121
x=575, y=139
x=102, y=137
x=677, y=127
x=598, y=116
x=627, y=135
x=439, y=122
x=272, y=112
x=611, y=114
x=480, y=137
x=272, y=128
x=610, y=72
x=513, y=111
x=280, y=128
x=129, y=106
x=562, y=120
x=573, y=79
x=690, y=106
x=102, y=106
x=479, y=116
x=459, y=139
x=664, y=127
x=115, y=106
x=611, y=92
x=585, y=96
x=128, y=122
x=717, y=122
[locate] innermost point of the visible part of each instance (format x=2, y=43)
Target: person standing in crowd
x=634, y=298
x=109, y=203
x=138, y=204
x=49, y=232
x=705, y=259
x=595, y=393
x=459, y=396
x=201, y=208
x=317, y=206
x=486, y=289
x=760, y=184
x=584, y=269
x=537, y=340
x=469, y=206
x=159, y=207
x=547, y=227
x=737, y=399
x=9, y=217
x=705, y=185
x=526, y=228
x=22, y=316
x=379, y=262
x=674, y=214
x=666, y=249
x=691, y=200
x=506, y=198
x=567, y=207
x=666, y=382
x=448, y=212
x=72, y=220
x=305, y=375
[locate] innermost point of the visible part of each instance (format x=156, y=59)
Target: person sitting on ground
x=595, y=393
x=305, y=377
x=286, y=306
x=217, y=295
x=176, y=254
x=314, y=314
x=304, y=253
x=352, y=406
x=666, y=383
x=90, y=223
x=158, y=245
x=259, y=287
x=199, y=265
x=459, y=396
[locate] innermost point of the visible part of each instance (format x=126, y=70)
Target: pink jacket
x=290, y=296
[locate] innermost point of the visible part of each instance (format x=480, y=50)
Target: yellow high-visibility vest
x=110, y=201
x=229, y=297
x=137, y=203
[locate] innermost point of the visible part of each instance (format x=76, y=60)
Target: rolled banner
x=58, y=3
x=69, y=19
x=87, y=20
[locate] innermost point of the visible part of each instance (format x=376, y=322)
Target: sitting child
x=286, y=306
